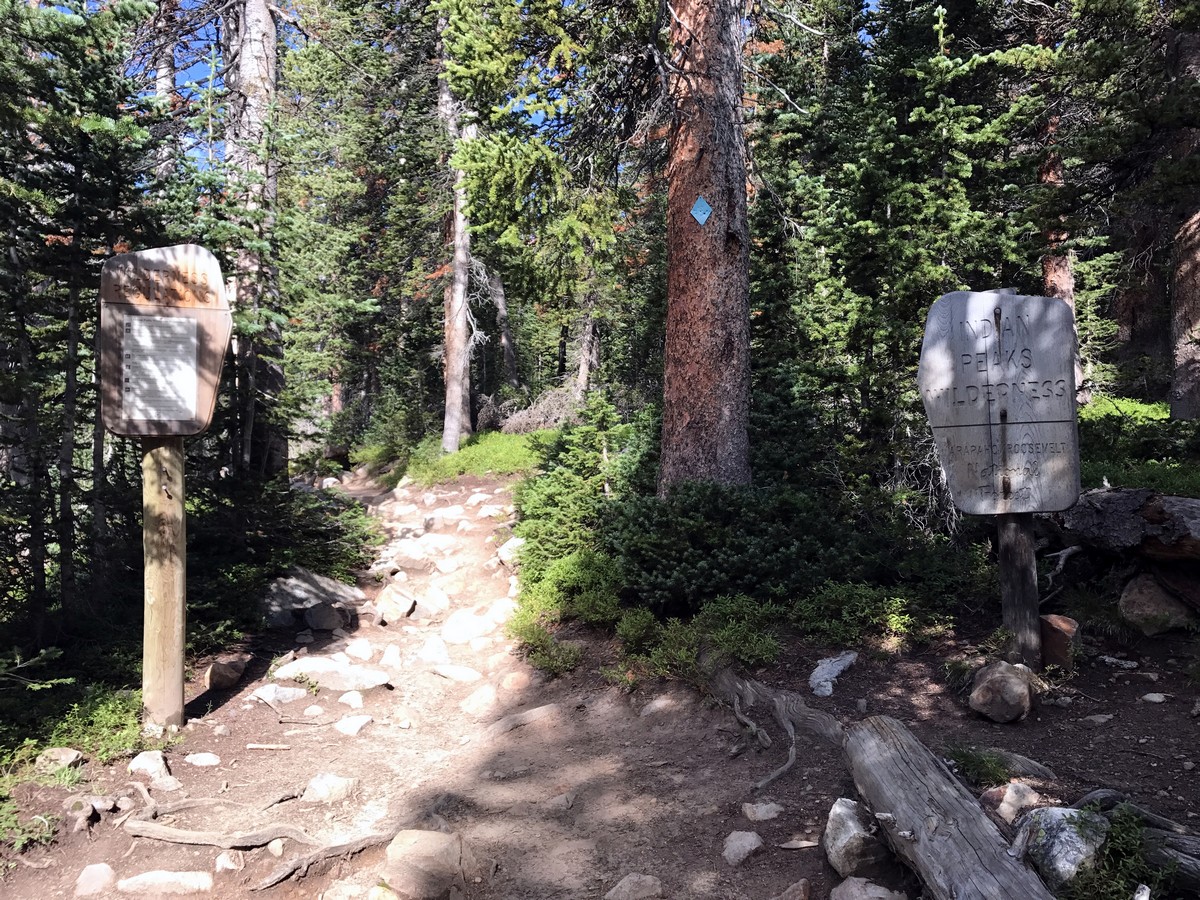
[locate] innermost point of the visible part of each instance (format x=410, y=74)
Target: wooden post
x=1018, y=586
x=164, y=531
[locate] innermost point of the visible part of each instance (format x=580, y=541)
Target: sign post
x=997, y=376
x=164, y=331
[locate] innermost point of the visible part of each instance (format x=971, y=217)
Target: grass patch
x=1120, y=865
x=1128, y=443
x=979, y=766
x=490, y=453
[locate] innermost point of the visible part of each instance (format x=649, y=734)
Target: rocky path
x=405, y=707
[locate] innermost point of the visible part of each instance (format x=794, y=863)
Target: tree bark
x=507, y=344
x=706, y=378
x=1185, y=280
x=457, y=372
x=250, y=45
x=163, y=60
x=589, y=348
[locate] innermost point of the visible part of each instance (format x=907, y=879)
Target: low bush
x=489, y=453
x=1128, y=443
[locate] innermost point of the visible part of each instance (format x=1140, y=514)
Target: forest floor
x=606, y=782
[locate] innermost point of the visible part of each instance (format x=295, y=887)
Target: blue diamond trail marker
x=701, y=210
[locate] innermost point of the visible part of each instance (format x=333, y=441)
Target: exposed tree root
x=300, y=865
x=141, y=824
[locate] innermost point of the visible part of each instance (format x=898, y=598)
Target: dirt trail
x=603, y=783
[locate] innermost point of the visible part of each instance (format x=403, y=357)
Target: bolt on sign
x=164, y=330
x=997, y=376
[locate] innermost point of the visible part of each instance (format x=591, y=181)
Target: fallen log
x=931, y=821
x=1125, y=520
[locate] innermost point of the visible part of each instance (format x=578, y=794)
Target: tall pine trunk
x=456, y=423
x=706, y=378
x=507, y=344
x=1185, y=278
x=251, y=48
x=589, y=347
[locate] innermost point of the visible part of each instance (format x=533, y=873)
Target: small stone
x=1188, y=766
x=481, y=702
x=392, y=658
x=635, y=887
x=861, y=889
x=1009, y=800
x=1154, y=698
x=461, y=674
x=1098, y=719
x=352, y=699
x=328, y=788
x=304, y=637
x=278, y=694
x=850, y=842
x=510, y=551
x=1060, y=641
x=162, y=882
x=220, y=730
x=203, y=760
x=53, y=759
x=862, y=708
x=1116, y=663
x=827, y=671
x=150, y=763
x=225, y=672
x=1152, y=609
x=740, y=846
x=275, y=847
x=1196, y=709
x=1002, y=692
x=359, y=649
x=352, y=725
x=167, y=783
x=761, y=812
x=519, y=681
x=434, y=651
x=96, y=880
x=798, y=891
x=230, y=861
x=314, y=711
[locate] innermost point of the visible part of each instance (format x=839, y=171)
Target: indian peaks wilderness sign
x=997, y=376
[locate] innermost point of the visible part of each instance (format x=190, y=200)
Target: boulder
x=52, y=759
x=1059, y=842
x=1010, y=800
x=150, y=763
x=861, y=889
x=636, y=887
x=96, y=880
x=226, y=672
x=332, y=674
x=850, y=843
x=463, y=625
x=324, y=617
x=429, y=865
x=740, y=846
x=1149, y=607
x=301, y=589
x=1003, y=692
x=1060, y=641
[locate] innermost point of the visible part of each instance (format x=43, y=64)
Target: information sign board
x=164, y=330
x=997, y=376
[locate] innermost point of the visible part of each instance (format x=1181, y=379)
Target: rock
x=1196, y=709
x=509, y=552
x=52, y=759
x=434, y=651
x=635, y=887
x=352, y=699
x=798, y=891
x=429, y=865
x=301, y=589
x=328, y=788
x=462, y=625
x=478, y=499
x=161, y=882
x=278, y=694
x=861, y=889
x=481, y=702
x=850, y=845
x=461, y=674
x=332, y=675
x=395, y=604
x=1061, y=841
x=230, y=861
x=1097, y=719
x=1009, y=800
x=166, y=783
x=304, y=637
x=324, y=617
x=392, y=658
x=662, y=704
x=150, y=763
x=360, y=648
x=490, y=512
x=825, y=674
x=1002, y=692
x=516, y=681
x=352, y=725
x=314, y=711
x=1060, y=641
x=275, y=848
x=1154, y=698
x=740, y=846
x=500, y=611
x=1149, y=607
x=96, y=880
x=448, y=566
x=203, y=760
x=761, y=812
x=1115, y=663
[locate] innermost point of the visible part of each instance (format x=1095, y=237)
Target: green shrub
x=1120, y=865
x=638, y=631
x=979, y=766
x=847, y=612
x=489, y=453
x=727, y=630
x=105, y=724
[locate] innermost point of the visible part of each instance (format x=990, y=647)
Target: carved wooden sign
x=997, y=376
x=164, y=329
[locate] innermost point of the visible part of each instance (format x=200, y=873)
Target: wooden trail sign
x=997, y=376
x=164, y=331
